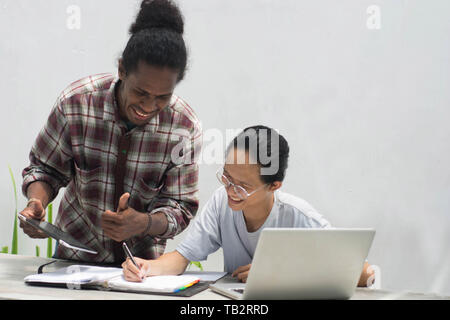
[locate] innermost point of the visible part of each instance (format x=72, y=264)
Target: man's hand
x=125, y=223
x=34, y=210
x=242, y=272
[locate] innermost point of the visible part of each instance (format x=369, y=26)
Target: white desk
x=14, y=268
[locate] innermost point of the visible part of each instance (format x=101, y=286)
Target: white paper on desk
x=76, y=274
x=153, y=284
x=207, y=276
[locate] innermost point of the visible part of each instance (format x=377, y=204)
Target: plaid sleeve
x=179, y=199
x=51, y=154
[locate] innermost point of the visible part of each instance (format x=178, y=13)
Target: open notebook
x=104, y=278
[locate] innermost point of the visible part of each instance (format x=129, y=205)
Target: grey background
x=365, y=111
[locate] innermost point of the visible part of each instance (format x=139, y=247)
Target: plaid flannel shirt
x=78, y=149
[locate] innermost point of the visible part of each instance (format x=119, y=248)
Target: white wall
x=365, y=110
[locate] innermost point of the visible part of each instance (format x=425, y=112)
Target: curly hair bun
x=158, y=14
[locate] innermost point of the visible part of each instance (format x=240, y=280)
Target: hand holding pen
x=134, y=269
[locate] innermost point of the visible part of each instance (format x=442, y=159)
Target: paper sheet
x=76, y=274
x=154, y=284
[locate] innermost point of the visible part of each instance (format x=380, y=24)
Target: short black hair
x=157, y=38
x=268, y=146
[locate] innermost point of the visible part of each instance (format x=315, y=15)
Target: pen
x=129, y=255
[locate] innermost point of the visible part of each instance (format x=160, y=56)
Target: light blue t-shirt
x=218, y=226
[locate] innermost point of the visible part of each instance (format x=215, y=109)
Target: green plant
x=197, y=264
x=14, y=245
x=50, y=220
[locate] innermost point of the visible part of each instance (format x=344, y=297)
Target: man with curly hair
x=109, y=140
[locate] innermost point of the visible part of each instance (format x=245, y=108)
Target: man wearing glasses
x=237, y=212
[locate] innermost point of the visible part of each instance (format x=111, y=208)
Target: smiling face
x=144, y=92
x=246, y=175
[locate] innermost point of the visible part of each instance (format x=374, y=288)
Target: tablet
x=54, y=232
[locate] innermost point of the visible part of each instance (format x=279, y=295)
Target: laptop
x=293, y=263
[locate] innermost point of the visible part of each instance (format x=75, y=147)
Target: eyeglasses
x=240, y=191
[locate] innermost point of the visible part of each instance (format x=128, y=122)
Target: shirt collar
x=153, y=124
x=110, y=106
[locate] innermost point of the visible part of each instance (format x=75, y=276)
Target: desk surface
x=14, y=268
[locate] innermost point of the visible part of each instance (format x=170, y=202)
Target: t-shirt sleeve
x=203, y=238
x=316, y=220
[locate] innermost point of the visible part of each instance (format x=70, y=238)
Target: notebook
x=108, y=278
